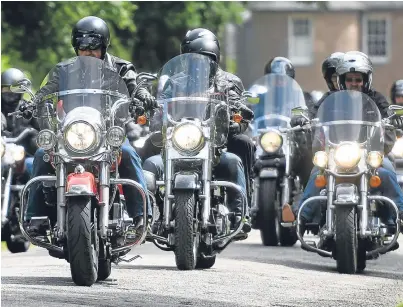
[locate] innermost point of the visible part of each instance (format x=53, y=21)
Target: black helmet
x=90, y=33
x=329, y=68
x=281, y=66
x=201, y=41
x=9, y=100
x=396, y=90
x=11, y=76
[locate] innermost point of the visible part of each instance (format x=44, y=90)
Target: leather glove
x=298, y=121
x=149, y=101
x=26, y=111
x=397, y=122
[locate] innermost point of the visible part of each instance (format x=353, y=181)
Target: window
x=376, y=37
x=300, y=40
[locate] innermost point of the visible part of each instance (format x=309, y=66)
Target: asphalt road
x=245, y=274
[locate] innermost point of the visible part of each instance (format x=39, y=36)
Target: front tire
x=186, y=245
x=83, y=255
x=346, y=240
x=267, y=209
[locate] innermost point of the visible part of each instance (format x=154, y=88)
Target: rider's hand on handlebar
x=397, y=122
x=26, y=110
x=298, y=121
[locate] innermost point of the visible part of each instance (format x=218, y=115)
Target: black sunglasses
x=88, y=43
x=358, y=80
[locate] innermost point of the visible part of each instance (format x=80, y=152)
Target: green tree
x=161, y=27
x=37, y=35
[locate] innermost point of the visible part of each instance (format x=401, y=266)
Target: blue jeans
x=29, y=164
x=389, y=188
x=130, y=167
x=230, y=168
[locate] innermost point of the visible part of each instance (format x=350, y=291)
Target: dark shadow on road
x=307, y=261
x=37, y=281
x=146, y=267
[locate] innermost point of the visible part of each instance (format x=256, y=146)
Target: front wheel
x=82, y=247
x=267, y=209
x=186, y=243
x=346, y=240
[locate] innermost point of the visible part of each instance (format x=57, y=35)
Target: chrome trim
x=84, y=91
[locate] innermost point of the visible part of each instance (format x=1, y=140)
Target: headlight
x=2, y=149
x=320, y=159
x=187, y=137
x=347, y=155
x=115, y=136
x=46, y=139
x=374, y=159
x=271, y=142
x=397, y=150
x=80, y=136
x=17, y=152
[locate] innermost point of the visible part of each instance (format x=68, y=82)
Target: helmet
x=9, y=100
x=355, y=61
x=281, y=66
x=329, y=68
x=11, y=76
x=396, y=90
x=90, y=33
x=201, y=41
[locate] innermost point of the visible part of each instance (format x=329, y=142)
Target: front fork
x=6, y=190
x=104, y=184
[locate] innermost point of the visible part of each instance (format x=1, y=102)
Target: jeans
x=230, y=168
x=389, y=188
x=130, y=167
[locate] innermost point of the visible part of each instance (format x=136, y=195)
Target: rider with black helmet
x=91, y=37
x=396, y=93
x=204, y=42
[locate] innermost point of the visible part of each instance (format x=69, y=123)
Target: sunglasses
x=358, y=80
x=88, y=43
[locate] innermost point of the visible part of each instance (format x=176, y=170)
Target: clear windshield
x=186, y=86
x=85, y=81
x=186, y=89
x=274, y=98
x=348, y=116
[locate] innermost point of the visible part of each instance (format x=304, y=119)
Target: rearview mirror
x=21, y=87
x=397, y=109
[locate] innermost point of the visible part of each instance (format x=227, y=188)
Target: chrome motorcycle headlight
x=320, y=159
x=397, y=150
x=271, y=141
x=115, y=136
x=187, y=137
x=375, y=159
x=80, y=137
x=46, y=139
x=347, y=155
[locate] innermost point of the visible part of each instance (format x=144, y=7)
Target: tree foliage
x=37, y=35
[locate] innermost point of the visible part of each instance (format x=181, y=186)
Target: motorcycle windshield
x=274, y=97
x=348, y=116
x=186, y=87
x=86, y=81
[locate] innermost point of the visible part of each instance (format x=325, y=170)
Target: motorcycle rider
x=13, y=126
x=355, y=73
x=91, y=37
x=235, y=165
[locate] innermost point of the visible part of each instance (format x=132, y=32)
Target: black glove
x=298, y=121
x=397, y=121
x=26, y=110
x=146, y=98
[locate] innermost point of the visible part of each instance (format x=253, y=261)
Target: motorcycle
x=274, y=99
x=195, y=219
x=87, y=224
x=348, y=150
x=397, y=150
x=14, y=176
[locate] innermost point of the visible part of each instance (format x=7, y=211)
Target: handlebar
x=23, y=134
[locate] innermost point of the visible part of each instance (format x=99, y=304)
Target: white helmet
x=354, y=61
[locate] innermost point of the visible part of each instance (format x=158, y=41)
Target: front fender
x=81, y=185
x=187, y=181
